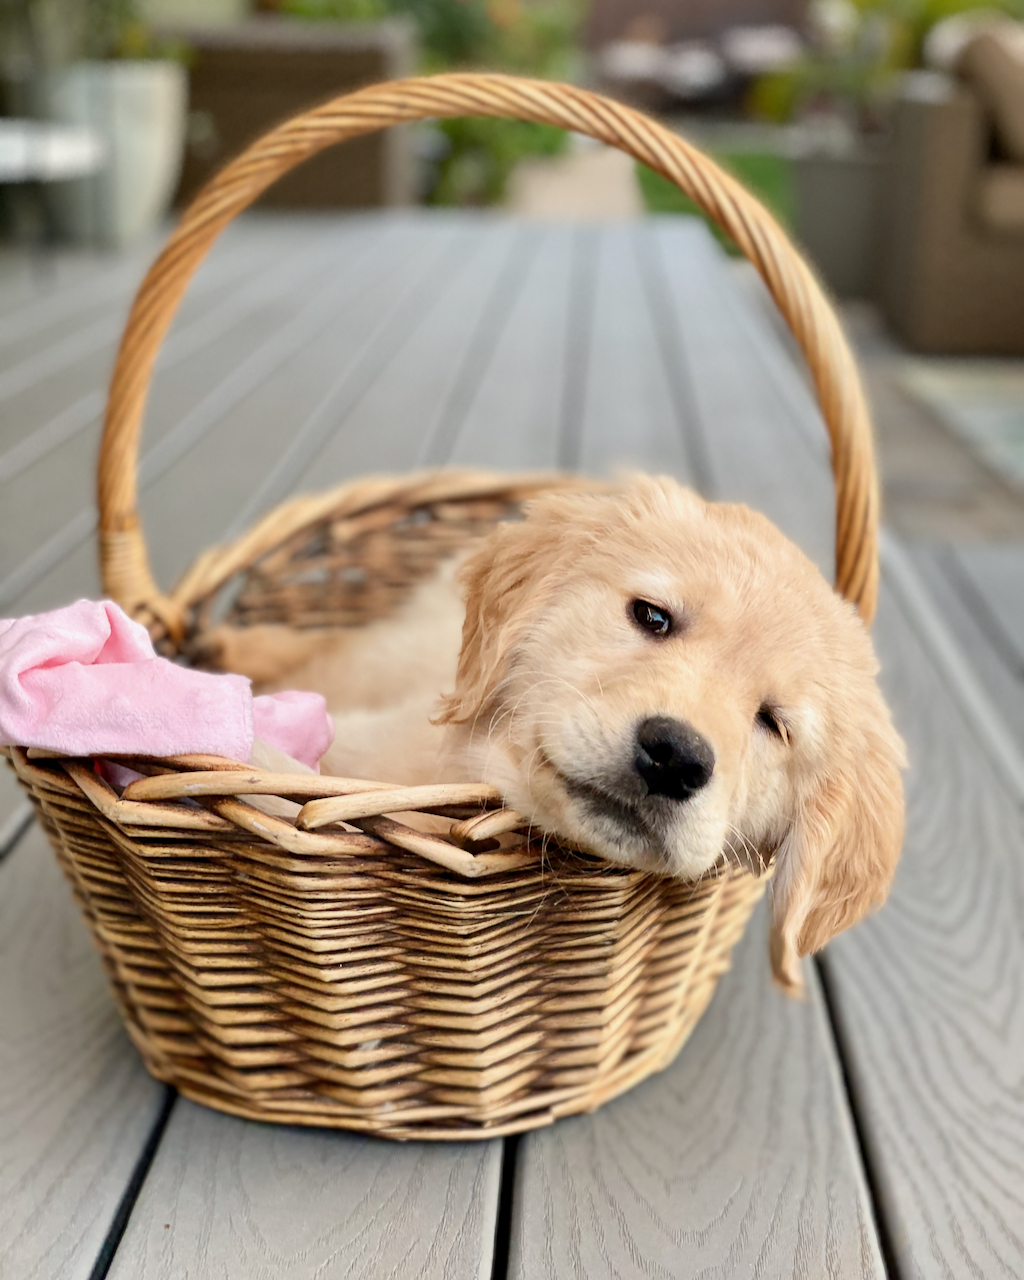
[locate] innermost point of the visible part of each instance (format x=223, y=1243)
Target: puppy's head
x=669, y=682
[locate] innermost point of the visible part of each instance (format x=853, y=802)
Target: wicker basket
x=346, y=969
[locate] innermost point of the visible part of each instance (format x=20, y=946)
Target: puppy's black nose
x=672, y=758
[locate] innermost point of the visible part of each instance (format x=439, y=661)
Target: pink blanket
x=84, y=680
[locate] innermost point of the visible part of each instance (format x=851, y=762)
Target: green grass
x=767, y=176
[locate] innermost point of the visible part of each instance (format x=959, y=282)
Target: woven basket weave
x=346, y=969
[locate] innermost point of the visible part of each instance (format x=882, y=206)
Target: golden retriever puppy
x=663, y=681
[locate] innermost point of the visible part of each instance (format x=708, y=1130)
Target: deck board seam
x=15, y=828
x=56, y=307
x=180, y=345
x=580, y=317
x=251, y=373
x=104, y=283
x=672, y=351
x=501, y=1256
x=47, y=557
x=119, y=1222
x=773, y=328
x=85, y=341
x=440, y=442
x=855, y=1108
x=240, y=382
x=332, y=411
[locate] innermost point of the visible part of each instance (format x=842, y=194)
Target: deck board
x=52, y=294
x=47, y=281
x=979, y=592
x=737, y=1160
x=31, y=434
x=437, y=439
x=631, y=417
x=47, y=370
x=513, y=420
x=755, y=432
x=998, y=574
x=930, y=996
x=399, y=363
x=220, y=453
x=76, y=1103
x=206, y=381
x=226, y=1197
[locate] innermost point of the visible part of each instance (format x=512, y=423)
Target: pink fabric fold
x=85, y=680
x=295, y=722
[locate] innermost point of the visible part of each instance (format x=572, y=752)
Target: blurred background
x=886, y=135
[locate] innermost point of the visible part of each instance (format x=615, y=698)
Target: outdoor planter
x=138, y=108
x=838, y=215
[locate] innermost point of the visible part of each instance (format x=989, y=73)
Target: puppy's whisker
x=500, y=712
x=541, y=898
x=512, y=710
x=539, y=679
x=750, y=858
x=532, y=761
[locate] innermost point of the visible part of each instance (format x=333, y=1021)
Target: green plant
x=909, y=21
x=767, y=175
x=337, y=10
x=473, y=158
x=480, y=154
x=38, y=35
x=862, y=48
x=528, y=37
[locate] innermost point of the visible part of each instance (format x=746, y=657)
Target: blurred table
x=875, y=1128
x=34, y=151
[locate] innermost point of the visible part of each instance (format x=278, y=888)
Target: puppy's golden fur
x=763, y=664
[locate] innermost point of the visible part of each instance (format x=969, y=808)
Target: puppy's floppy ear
x=838, y=860
x=505, y=581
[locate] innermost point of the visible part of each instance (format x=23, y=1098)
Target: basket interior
x=344, y=569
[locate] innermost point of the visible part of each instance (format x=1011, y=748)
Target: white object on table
x=34, y=151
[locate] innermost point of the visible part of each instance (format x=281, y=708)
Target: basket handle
x=124, y=562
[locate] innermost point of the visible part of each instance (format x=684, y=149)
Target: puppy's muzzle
x=672, y=758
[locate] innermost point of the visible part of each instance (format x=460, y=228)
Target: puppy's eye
x=652, y=618
x=768, y=719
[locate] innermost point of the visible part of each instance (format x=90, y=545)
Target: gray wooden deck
x=875, y=1128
